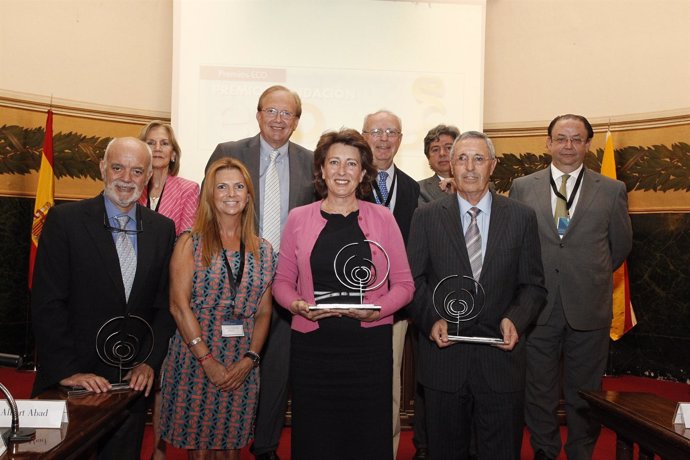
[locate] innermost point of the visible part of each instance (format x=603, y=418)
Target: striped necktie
x=473, y=240
x=271, y=214
x=126, y=254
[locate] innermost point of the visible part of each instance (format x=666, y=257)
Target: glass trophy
x=123, y=342
x=459, y=300
x=357, y=275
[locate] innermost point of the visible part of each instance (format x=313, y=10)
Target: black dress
x=341, y=373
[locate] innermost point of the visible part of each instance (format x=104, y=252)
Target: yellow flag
x=623, y=313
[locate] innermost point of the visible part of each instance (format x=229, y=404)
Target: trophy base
x=464, y=338
x=344, y=306
x=81, y=391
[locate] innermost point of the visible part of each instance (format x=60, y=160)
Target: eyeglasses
x=272, y=112
x=575, y=141
x=378, y=133
x=478, y=160
x=111, y=229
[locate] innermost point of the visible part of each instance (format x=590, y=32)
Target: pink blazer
x=294, y=280
x=179, y=202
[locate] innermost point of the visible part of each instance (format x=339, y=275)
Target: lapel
x=103, y=241
x=296, y=175
x=145, y=253
x=252, y=161
x=430, y=185
x=542, y=189
x=452, y=225
x=498, y=225
x=588, y=190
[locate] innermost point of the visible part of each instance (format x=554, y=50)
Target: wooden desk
x=90, y=418
x=642, y=418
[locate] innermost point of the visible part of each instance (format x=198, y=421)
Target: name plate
x=35, y=413
x=682, y=416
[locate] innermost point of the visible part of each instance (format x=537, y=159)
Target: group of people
x=293, y=273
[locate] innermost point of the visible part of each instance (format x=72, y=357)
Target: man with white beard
x=103, y=263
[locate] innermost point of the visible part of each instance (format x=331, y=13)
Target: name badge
x=563, y=223
x=232, y=328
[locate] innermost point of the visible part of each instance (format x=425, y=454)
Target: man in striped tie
x=485, y=238
x=101, y=263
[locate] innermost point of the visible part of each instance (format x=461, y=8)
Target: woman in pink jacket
x=167, y=193
x=342, y=250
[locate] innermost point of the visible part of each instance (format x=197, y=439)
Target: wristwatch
x=256, y=359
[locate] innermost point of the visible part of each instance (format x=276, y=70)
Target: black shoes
x=540, y=455
x=267, y=456
x=421, y=454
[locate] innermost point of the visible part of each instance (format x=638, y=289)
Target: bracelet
x=254, y=356
x=194, y=342
x=203, y=358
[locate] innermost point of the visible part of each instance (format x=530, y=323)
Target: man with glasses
x=399, y=193
x=282, y=175
x=474, y=236
x=101, y=263
x=437, y=145
x=585, y=235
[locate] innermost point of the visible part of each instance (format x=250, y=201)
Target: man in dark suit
x=475, y=385
x=584, y=238
x=278, y=113
x=437, y=145
x=80, y=284
x=399, y=193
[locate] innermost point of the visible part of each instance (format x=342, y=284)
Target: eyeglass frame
x=378, y=133
x=272, y=112
x=478, y=160
x=111, y=229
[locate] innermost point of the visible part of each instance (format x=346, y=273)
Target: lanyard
x=568, y=203
x=233, y=281
x=379, y=198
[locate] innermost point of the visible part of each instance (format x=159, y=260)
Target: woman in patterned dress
x=220, y=298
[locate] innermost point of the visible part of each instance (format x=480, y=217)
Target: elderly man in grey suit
x=585, y=235
x=489, y=238
x=437, y=145
x=277, y=113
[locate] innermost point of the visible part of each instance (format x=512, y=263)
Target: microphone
x=15, y=434
x=7, y=360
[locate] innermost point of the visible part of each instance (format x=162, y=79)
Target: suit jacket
x=406, y=200
x=301, y=166
x=77, y=287
x=512, y=278
x=178, y=202
x=579, y=266
x=429, y=191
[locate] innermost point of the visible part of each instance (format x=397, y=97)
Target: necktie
x=383, y=175
x=126, y=254
x=271, y=216
x=473, y=240
x=561, y=210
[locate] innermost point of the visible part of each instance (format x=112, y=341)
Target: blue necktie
x=383, y=175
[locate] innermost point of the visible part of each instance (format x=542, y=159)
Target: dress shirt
x=569, y=186
x=483, y=218
x=113, y=211
x=283, y=165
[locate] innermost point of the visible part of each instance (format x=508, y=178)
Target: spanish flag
x=44, y=192
x=623, y=313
